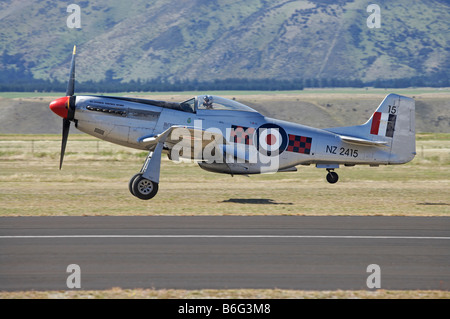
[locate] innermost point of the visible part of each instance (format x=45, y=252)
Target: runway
x=225, y=252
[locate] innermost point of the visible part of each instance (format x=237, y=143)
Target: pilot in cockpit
x=208, y=102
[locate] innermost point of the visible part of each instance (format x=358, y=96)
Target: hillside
x=207, y=40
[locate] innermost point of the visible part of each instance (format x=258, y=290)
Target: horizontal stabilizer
x=361, y=141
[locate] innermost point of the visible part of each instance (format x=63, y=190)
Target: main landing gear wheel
x=130, y=183
x=143, y=188
x=332, y=177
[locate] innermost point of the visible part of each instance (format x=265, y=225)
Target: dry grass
x=118, y=293
x=94, y=181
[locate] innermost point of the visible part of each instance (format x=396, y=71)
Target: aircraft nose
x=60, y=106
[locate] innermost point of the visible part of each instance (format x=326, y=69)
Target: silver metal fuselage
x=126, y=122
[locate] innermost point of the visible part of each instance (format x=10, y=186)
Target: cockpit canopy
x=212, y=102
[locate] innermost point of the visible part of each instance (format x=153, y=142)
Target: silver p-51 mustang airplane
x=225, y=136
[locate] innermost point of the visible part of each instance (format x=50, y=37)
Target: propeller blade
x=71, y=85
x=65, y=135
x=71, y=108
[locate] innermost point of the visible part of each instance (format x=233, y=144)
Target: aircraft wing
x=361, y=141
x=150, y=141
x=185, y=138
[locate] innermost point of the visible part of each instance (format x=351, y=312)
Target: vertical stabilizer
x=393, y=123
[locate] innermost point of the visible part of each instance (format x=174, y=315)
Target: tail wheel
x=144, y=188
x=332, y=177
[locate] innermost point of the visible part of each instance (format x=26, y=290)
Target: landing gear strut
x=144, y=185
x=332, y=177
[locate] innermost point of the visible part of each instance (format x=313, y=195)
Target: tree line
x=17, y=81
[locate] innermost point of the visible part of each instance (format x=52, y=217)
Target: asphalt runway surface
x=225, y=252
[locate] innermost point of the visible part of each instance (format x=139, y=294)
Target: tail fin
x=392, y=125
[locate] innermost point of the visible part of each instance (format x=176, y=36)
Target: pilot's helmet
x=208, y=98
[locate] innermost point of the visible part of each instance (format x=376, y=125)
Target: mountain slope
x=207, y=40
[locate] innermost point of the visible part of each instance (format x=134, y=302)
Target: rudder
x=393, y=124
x=394, y=121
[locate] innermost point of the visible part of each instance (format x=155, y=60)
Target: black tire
x=144, y=188
x=332, y=177
x=130, y=183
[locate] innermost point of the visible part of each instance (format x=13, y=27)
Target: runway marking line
x=220, y=236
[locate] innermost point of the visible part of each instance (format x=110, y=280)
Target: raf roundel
x=271, y=139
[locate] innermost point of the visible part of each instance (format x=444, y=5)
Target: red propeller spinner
x=60, y=106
